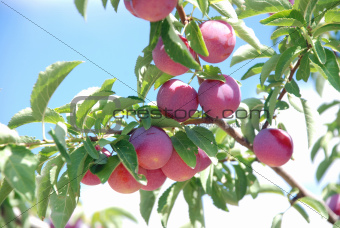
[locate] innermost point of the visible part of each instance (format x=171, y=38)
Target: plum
x=177, y=100
x=333, y=203
x=165, y=63
x=219, y=37
x=153, y=147
x=273, y=147
x=155, y=178
x=204, y=160
x=219, y=99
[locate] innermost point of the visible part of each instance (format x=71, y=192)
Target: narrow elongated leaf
x=195, y=38
x=254, y=70
x=75, y=171
x=175, y=47
x=212, y=73
x=332, y=16
x=281, y=31
x=61, y=145
x=247, y=52
x=163, y=122
x=89, y=147
x=167, y=201
x=285, y=60
x=285, y=18
x=268, y=67
x=334, y=44
x=293, y=88
x=104, y=3
x=319, y=51
x=315, y=205
x=322, y=168
x=81, y=7
x=218, y=196
x=18, y=166
x=277, y=221
x=7, y=135
x=44, y=185
x=295, y=102
x=203, y=5
x=129, y=127
x=256, y=7
x=147, y=202
x=325, y=28
x=271, y=103
x=155, y=32
x=63, y=204
x=115, y=4
x=193, y=196
x=149, y=77
x=306, y=7
x=302, y=211
x=224, y=8
x=161, y=80
x=203, y=138
x=241, y=182
x=324, y=107
x=107, y=169
x=304, y=69
x=310, y=122
x=206, y=177
x=5, y=190
x=47, y=83
x=127, y=154
x=185, y=148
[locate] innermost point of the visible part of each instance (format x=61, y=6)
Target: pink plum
x=219, y=99
x=273, y=147
x=333, y=203
x=155, y=178
x=204, y=160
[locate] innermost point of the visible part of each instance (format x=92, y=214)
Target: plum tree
x=334, y=203
x=176, y=169
x=153, y=147
x=150, y=10
x=219, y=99
x=204, y=160
x=165, y=63
x=177, y=100
x=155, y=178
x=219, y=37
x=273, y=147
x=123, y=182
x=90, y=178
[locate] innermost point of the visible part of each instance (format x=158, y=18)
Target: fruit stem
x=182, y=14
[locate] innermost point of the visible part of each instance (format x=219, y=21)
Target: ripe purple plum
x=150, y=10
x=176, y=169
x=204, y=160
x=219, y=37
x=90, y=178
x=153, y=147
x=273, y=147
x=333, y=203
x=165, y=63
x=177, y=100
x=219, y=99
x=155, y=178
x=123, y=182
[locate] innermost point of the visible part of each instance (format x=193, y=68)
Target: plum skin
x=122, y=181
x=219, y=38
x=90, y=178
x=150, y=10
x=333, y=203
x=273, y=147
x=177, y=100
x=176, y=169
x=155, y=178
x=153, y=147
x=204, y=160
x=165, y=63
x=219, y=99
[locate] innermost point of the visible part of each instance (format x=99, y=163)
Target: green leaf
x=271, y=103
x=212, y=73
x=129, y=127
x=332, y=16
x=81, y=7
x=185, y=148
x=268, y=67
x=206, y=177
x=267, y=188
x=105, y=172
x=281, y=31
x=161, y=80
x=167, y=201
x=47, y=83
x=304, y=69
x=175, y=47
x=325, y=28
x=107, y=84
x=316, y=148
x=163, y=122
x=254, y=70
x=203, y=138
x=329, y=70
x=218, y=196
x=336, y=224
x=306, y=7
x=104, y=3
x=62, y=109
x=60, y=142
x=310, y=122
x=147, y=202
x=293, y=101
x=247, y=52
x=240, y=182
x=155, y=32
x=115, y=4
x=322, y=168
x=112, y=108
x=5, y=190
x=302, y=211
x=44, y=185
x=277, y=221
x=63, y=204
x=334, y=44
x=91, y=150
x=195, y=38
x=319, y=51
x=75, y=171
x=286, y=58
x=7, y=135
x=319, y=84
x=149, y=77
x=225, y=8
x=193, y=196
x=285, y=18
x=293, y=88
x=18, y=166
x=25, y=116
x=316, y=205
x=256, y=7
x=203, y=5
x=127, y=154
x=324, y=107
